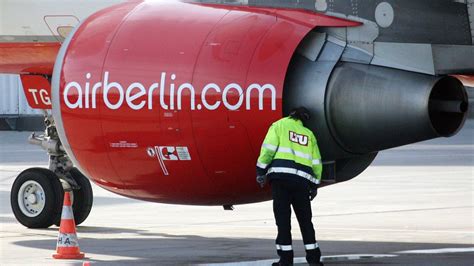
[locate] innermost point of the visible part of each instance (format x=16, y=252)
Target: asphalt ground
x=413, y=206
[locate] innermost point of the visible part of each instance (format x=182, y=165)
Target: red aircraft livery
x=212, y=87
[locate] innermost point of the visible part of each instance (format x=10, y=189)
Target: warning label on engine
x=183, y=153
x=171, y=153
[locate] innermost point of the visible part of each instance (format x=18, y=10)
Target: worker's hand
x=313, y=192
x=261, y=180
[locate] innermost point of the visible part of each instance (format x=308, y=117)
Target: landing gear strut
x=37, y=193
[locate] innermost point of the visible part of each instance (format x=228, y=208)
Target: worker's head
x=300, y=113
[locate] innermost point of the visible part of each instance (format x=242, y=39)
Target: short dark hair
x=300, y=113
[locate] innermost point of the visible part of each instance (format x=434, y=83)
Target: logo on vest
x=298, y=138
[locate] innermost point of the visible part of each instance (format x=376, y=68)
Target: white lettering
x=240, y=94
x=136, y=96
x=153, y=87
x=173, y=77
x=130, y=98
x=204, y=94
x=164, y=106
x=261, y=90
x=94, y=94
x=86, y=91
x=192, y=96
x=34, y=91
x=77, y=104
x=298, y=138
x=107, y=88
x=45, y=97
x=303, y=140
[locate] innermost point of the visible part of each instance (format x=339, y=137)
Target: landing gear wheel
x=83, y=197
x=36, y=198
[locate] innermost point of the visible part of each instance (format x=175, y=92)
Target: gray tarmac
x=413, y=206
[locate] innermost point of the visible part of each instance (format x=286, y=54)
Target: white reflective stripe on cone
x=269, y=147
x=278, y=247
x=293, y=171
x=296, y=153
x=66, y=214
x=67, y=240
x=262, y=165
x=311, y=246
x=316, y=162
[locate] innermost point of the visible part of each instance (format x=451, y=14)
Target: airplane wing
x=417, y=36
x=31, y=31
x=28, y=57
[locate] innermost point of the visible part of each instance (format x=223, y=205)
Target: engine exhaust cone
x=372, y=108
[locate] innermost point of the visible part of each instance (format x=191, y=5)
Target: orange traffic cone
x=67, y=246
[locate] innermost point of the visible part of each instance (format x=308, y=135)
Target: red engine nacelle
x=169, y=101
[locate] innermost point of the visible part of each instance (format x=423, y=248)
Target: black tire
x=53, y=196
x=83, y=198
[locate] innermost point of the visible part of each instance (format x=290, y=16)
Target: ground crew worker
x=291, y=160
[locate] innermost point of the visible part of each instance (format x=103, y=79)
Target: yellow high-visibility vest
x=290, y=148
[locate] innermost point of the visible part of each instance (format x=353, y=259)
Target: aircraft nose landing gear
x=37, y=193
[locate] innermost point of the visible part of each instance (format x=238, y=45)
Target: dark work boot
x=313, y=257
x=286, y=258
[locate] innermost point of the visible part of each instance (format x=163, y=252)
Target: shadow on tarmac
x=138, y=247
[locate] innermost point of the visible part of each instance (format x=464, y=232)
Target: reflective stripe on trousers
x=311, y=246
x=284, y=247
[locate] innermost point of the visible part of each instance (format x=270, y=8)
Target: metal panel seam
x=102, y=71
x=203, y=165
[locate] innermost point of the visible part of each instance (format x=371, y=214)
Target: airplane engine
x=170, y=101
x=362, y=109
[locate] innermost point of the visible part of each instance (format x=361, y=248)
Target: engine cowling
x=170, y=101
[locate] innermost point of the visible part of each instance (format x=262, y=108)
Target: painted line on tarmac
x=302, y=260
x=22, y=151
x=11, y=167
x=395, y=230
x=436, y=251
x=356, y=257
x=396, y=211
x=349, y=214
